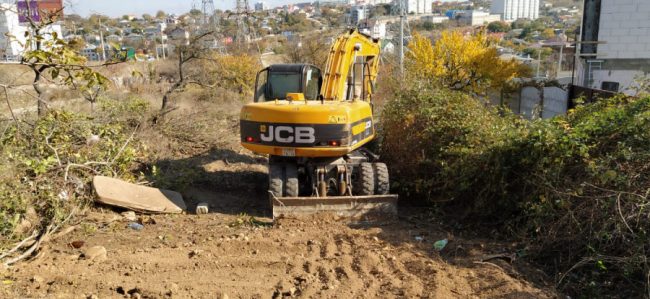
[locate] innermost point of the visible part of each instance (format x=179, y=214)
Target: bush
x=46, y=168
x=574, y=189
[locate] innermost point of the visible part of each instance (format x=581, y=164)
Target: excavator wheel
x=365, y=183
x=291, y=185
x=276, y=180
x=382, y=183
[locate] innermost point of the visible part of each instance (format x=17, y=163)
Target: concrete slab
x=144, y=199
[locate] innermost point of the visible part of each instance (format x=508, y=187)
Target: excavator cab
x=287, y=81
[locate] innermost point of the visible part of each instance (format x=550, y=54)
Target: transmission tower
x=210, y=22
x=241, y=13
x=207, y=8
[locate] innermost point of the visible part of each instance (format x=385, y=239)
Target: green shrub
x=574, y=189
x=47, y=167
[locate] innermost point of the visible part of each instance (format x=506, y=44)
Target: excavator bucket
x=355, y=209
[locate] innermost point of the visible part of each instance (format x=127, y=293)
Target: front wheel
x=365, y=181
x=276, y=180
x=382, y=183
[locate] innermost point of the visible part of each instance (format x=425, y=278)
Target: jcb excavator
x=313, y=125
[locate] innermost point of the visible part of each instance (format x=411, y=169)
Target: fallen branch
x=124, y=145
x=620, y=212
x=44, y=236
x=491, y=264
x=85, y=165
x=19, y=245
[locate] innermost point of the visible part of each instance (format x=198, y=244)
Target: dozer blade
x=370, y=208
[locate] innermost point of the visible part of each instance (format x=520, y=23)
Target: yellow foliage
x=469, y=64
x=234, y=72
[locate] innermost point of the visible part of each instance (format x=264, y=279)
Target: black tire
x=365, y=183
x=276, y=179
x=382, y=182
x=291, y=185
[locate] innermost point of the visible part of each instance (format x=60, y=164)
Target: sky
x=117, y=8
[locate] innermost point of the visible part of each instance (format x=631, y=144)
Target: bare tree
x=187, y=50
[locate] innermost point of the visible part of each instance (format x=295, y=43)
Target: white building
x=418, y=6
x=511, y=10
x=261, y=6
x=12, y=34
x=90, y=52
x=615, y=49
x=436, y=19
x=477, y=18
x=375, y=28
x=357, y=14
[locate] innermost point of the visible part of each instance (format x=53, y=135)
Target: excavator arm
x=351, y=68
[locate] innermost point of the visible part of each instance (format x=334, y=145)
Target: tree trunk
x=41, y=105
x=179, y=83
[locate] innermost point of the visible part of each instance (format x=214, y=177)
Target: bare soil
x=236, y=251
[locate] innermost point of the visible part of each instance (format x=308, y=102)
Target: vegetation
x=498, y=26
x=455, y=62
x=60, y=59
x=572, y=190
x=46, y=168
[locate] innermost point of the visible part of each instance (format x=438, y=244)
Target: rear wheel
x=382, y=183
x=291, y=185
x=365, y=183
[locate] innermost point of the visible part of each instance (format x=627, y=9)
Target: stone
x=129, y=216
x=37, y=279
x=202, y=208
x=173, y=289
x=95, y=253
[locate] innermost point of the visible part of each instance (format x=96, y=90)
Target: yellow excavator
x=313, y=125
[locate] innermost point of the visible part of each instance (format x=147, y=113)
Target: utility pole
x=101, y=38
x=401, y=37
x=162, y=44
x=539, y=62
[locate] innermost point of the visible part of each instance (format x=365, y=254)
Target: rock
x=77, y=244
x=129, y=216
x=37, y=279
x=95, y=253
x=92, y=296
x=202, y=208
x=173, y=289
x=195, y=253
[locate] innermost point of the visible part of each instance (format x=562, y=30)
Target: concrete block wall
x=625, y=27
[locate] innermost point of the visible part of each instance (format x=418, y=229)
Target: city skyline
x=117, y=8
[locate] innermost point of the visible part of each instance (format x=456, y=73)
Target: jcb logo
x=286, y=134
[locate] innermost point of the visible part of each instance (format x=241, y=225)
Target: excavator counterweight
x=314, y=126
